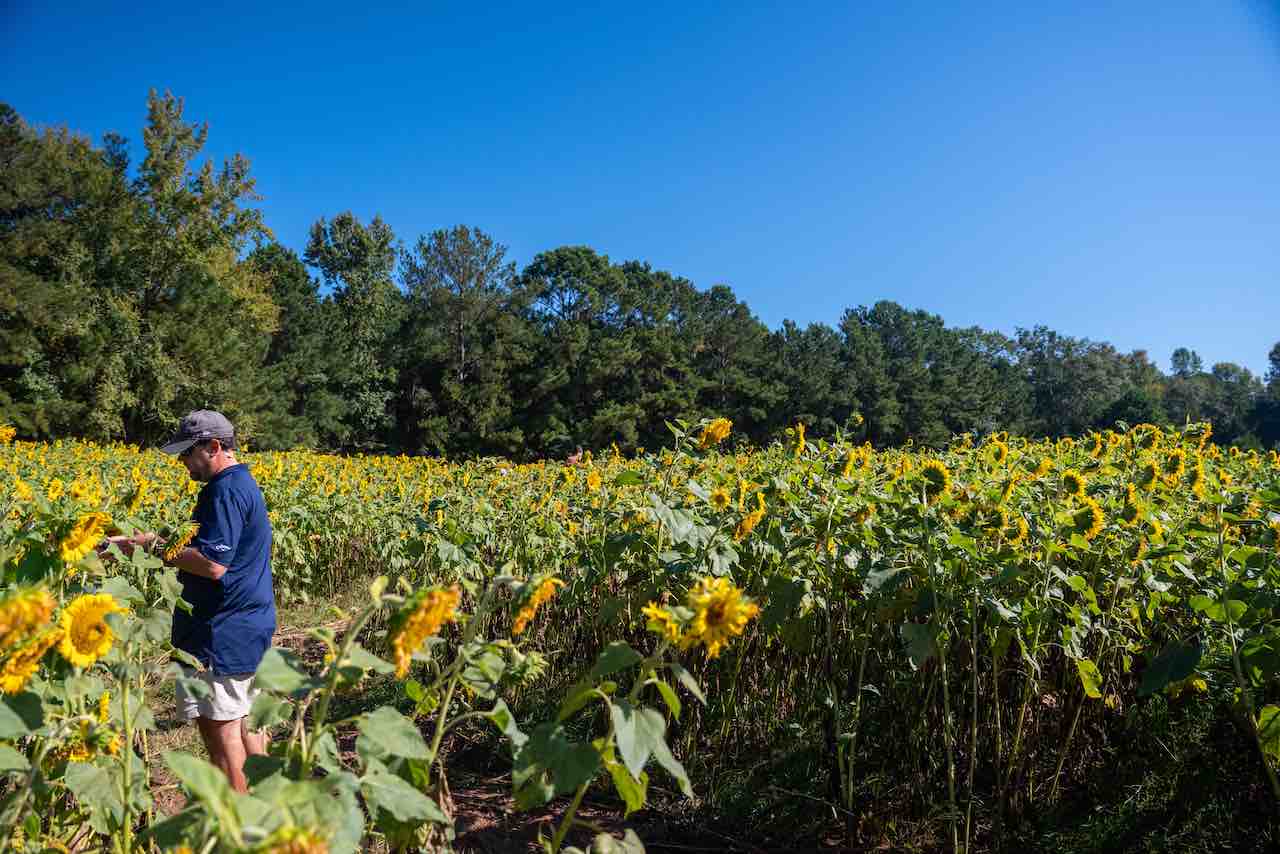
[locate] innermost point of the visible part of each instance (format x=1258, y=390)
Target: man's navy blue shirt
x=232, y=619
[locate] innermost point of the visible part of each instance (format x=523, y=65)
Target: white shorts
x=229, y=696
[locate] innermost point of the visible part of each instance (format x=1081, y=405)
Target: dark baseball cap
x=196, y=427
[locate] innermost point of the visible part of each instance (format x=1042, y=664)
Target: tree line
x=132, y=294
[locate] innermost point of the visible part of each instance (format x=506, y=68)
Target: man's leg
x=226, y=747
x=255, y=743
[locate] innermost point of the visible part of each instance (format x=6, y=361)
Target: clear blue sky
x=1111, y=170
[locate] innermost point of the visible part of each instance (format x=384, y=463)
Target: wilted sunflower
x=1148, y=475
x=720, y=612
x=544, y=591
x=714, y=432
x=22, y=612
x=720, y=499
x=83, y=537
x=87, y=637
x=23, y=662
x=422, y=616
x=937, y=478
x=1087, y=521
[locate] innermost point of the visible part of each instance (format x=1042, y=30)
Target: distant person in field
x=574, y=458
x=226, y=576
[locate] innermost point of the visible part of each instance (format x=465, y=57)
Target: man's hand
x=129, y=544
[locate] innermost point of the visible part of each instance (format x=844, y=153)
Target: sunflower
x=1131, y=513
x=1006, y=490
x=850, y=459
x=7, y=433
x=83, y=537
x=23, y=611
x=54, y=490
x=86, y=635
x=863, y=514
x=1195, y=479
x=21, y=665
x=1097, y=445
x=1175, y=464
x=749, y=521
x=1148, y=475
x=937, y=478
x=799, y=435
x=422, y=616
x=294, y=840
x=1073, y=483
x=544, y=591
x=183, y=539
x=662, y=622
x=714, y=432
x=593, y=480
x=1016, y=534
x=720, y=499
x=720, y=612
x=1087, y=521
x=999, y=452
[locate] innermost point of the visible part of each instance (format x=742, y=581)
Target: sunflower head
x=1087, y=521
x=714, y=432
x=720, y=499
x=720, y=612
x=937, y=478
x=997, y=451
x=1073, y=483
x=421, y=617
x=87, y=637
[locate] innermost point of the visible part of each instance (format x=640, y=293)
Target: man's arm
x=190, y=560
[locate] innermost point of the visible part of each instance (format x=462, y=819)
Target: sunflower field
x=817, y=628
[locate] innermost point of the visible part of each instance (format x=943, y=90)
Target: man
x=226, y=576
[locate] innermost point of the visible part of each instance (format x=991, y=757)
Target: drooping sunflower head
x=1087, y=521
x=1016, y=534
x=1073, y=483
x=937, y=478
x=714, y=432
x=997, y=452
x=1131, y=512
x=720, y=612
x=542, y=591
x=22, y=612
x=87, y=637
x=421, y=617
x=1148, y=476
x=23, y=662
